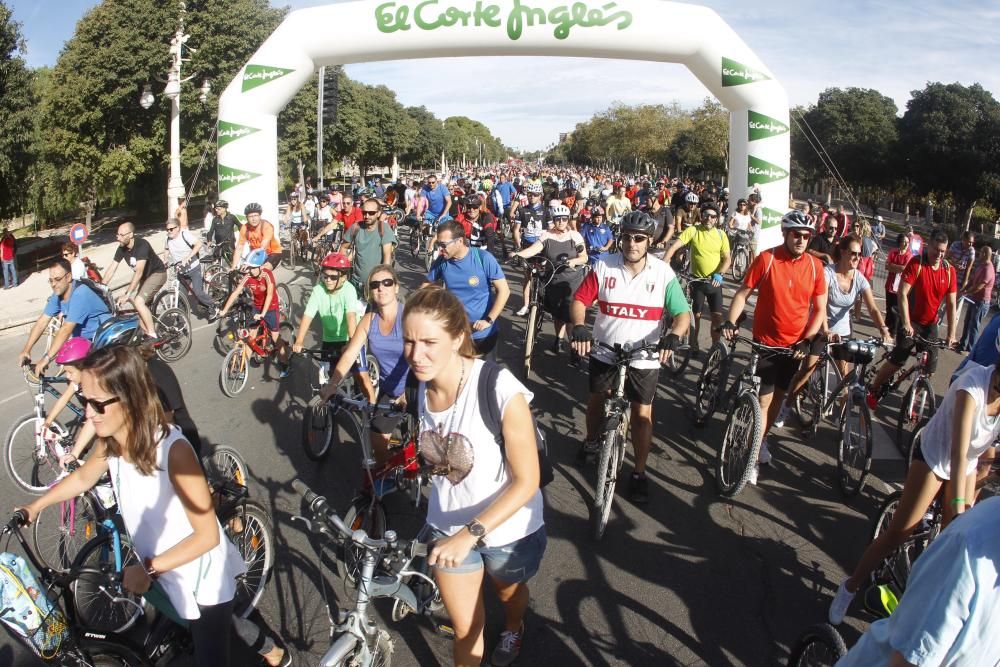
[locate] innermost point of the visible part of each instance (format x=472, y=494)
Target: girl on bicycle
x=381, y=331
x=162, y=496
x=262, y=285
x=485, y=509
x=964, y=427
x=70, y=356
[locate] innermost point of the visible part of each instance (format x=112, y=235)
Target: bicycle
x=819, y=645
x=681, y=357
x=740, y=241
x=614, y=433
x=540, y=273
x=171, y=295
x=817, y=401
x=737, y=454
x=250, y=348
x=919, y=402
x=357, y=639
x=320, y=440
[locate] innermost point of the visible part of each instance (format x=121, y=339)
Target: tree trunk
x=968, y=214
x=302, y=175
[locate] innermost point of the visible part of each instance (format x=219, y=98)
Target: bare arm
x=876, y=316
x=965, y=412
x=347, y=357
x=738, y=303
x=74, y=484
x=386, y=253
x=503, y=293
x=300, y=337
x=817, y=319
x=531, y=250
x=232, y=297
x=111, y=273
x=36, y=332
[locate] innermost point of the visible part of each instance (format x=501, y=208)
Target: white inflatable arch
x=377, y=30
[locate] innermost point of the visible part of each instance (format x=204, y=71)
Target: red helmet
x=336, y=260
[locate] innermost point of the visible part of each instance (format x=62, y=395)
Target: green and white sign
x=760, y=172
x=229, y=177
x=516, y=16
x=258, y=75
x=769, y=218
x=738, y=74
x=229, y=132
x=764, y=127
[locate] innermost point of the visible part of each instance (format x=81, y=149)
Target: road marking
x=11, y=398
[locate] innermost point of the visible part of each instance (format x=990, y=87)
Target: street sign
x=78, y=233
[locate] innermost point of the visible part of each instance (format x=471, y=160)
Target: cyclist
x=163, y=499
x=223, y=230
x=567, y=251
x=149, y=274
x=485, y=508
x=617, y=204
x=335, y=301
x=480, y=226
x=183, y=249
x=477, y=279
x=263, y=286
x=791, y=308
x=597, y=236
x=895, y=263
x=687, y=216
x=821, y=246
x=257, y=234
x=381, y=332
x=742, y=222
x=82, y=309
x=439, y=203
x=528, y=223
x=632, y=289
x=71, y=253
x=964, y=426
x=508, y=194
x=70, y=356
x=931, y=280
x=710, y=258
x=368, y=244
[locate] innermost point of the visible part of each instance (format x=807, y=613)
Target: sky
x=894, y=47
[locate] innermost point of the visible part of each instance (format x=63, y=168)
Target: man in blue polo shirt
x=83, y=310
x=507, y=193
x=475, y=277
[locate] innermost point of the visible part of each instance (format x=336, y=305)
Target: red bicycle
x=253, y=345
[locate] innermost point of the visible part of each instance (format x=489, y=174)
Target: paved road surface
x=689, y=579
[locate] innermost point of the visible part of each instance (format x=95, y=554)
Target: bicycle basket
x=26, y=609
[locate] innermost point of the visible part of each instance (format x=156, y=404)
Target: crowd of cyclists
x=651, y=253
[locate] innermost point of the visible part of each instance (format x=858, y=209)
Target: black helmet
x=472, y=200
x=638, y=221
x=709, y=207
x=253, y=207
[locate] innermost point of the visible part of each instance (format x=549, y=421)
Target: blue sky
x=894, y=47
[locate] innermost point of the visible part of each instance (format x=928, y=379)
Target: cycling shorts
x=434, y=221
x=906, y=346
x=274, y=259
x=640, y=383
x=271, y=320
x=703, y=291
x=776, y=372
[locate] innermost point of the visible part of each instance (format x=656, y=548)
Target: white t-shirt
x=936, y=438
x=79, y=269
x=180, y=247
x=742, y=221
x=455, y=502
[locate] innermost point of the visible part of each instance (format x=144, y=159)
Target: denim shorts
x=512, y=563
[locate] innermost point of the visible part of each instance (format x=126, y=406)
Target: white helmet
x=559, y=211
x=691, y=198
x=533, y=189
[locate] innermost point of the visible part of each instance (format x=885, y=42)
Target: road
x=689, y=579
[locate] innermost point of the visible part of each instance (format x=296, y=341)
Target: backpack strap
x=184, y=237
x=489, y=405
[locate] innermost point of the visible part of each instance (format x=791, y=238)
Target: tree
x=16, y=122
x=425, y=150
x=704, y=146
x=371, y=125
x=297, y=134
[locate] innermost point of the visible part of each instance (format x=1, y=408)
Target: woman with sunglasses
x=485, y=506
x=162, y=496
x=381, y=332
x=71, y=253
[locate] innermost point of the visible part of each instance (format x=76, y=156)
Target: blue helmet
x=119, y=329
x=256, y=258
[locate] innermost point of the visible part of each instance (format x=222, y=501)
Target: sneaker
x=638, y=489
x=522, y=312
x=214, y=315
x=840, y=604
x=508, y=648
x=764, y=457
x=782, y=415
x=587, y=450
x=752, y=480
x=283, y=370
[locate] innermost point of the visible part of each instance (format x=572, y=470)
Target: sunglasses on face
x=99, y=406
x=336, y=275
x=711, y=216
x=371, y=212
x=170, y=229
x=801, y=236
x=385, y=282
x=635, y=238
x=443, y=245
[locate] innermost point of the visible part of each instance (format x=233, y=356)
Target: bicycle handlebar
x=361, y=405
x=627, y=352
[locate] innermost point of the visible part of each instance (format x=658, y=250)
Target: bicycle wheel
x=233, y=374
x=809, y=401
x=248, y=526
x=368, y=514
x=29, y=467
x=917, y=407
x=530, y=334
x=414, y=241
x=94, y=608
x=706, y=393
x=166, y=299
x=679, y=360
x=100, y=653
x=374, y=372
x=60, y=531
x=219, y=286
x=174, y=330
x=225, y=464
x=894, y=569
x=820, y=645
x=317, y=429
x=738, y=453
x=285, y=304
x=854, y=456
x=607, y=478
x=741, y=260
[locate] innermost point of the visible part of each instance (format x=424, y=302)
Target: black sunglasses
x=635, y=238
x=370, y=212
x=333, y=276
x=99, y=406
x=385, y=282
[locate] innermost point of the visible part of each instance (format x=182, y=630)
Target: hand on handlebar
x=65, y=460
x=668, y=343
x=452, y=551
x=41, y=366
x=729, y=329
x=801, y=349
x=581, y=339
x=24, y=359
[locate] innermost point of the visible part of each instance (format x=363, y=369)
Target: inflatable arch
x=406, y=29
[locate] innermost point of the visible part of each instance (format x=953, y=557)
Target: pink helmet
x=73, y=351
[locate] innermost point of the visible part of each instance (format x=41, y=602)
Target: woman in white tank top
x=162, y=496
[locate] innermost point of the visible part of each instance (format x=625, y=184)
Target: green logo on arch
x=761, y=171
x=760, y=126
x=769, y=218
x=258, y=75
x=229, y=132
x=738, y=74
x=229, y=177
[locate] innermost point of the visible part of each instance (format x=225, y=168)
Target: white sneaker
x=753, y=475
x=522, y=312
x=782, y=415
x=764, y=457
x=841, y=602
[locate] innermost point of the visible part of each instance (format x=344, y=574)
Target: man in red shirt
x=927, y=280
x=349, y=213
x=791, y=308
x=8, y=256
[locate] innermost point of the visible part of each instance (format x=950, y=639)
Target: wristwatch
x=147, y=565
x=487, y=319
x=478, y=531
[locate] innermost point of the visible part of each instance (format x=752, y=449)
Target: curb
x=23, y=326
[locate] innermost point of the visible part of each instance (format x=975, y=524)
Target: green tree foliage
x=16, y=101
x=425, y=150
x=297, y=134
x=703, y=147
x=462, y=135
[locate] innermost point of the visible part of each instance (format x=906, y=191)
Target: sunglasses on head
x=385, y=282
x=99, y=406
x=635, y=238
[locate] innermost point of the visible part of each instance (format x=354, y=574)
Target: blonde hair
x=449, y=312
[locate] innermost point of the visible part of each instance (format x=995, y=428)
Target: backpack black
x=100, y=290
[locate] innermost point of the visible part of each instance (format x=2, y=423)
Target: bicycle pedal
x=445, y=630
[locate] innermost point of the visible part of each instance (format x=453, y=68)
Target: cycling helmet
x=73, y=350
x=472, y=200
x=638, y=221
x=256, y=258
x=725, y=192
x=559, y=211
x=533, y=189
x=795, y=220
x=709, y=207
x=597, y=210
x=336, y=260
x=253, y=207
x=222, y=203
x=119, y=329
x=691, y=198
